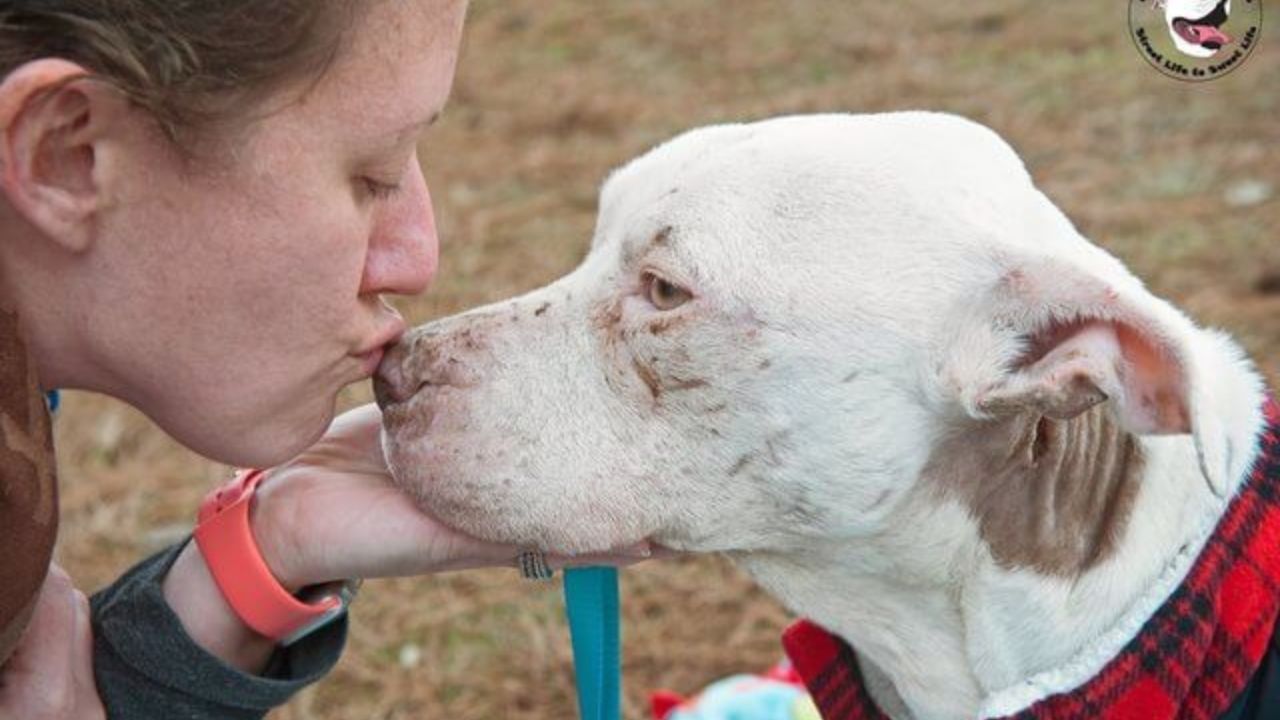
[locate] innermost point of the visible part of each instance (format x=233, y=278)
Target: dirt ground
x=1179, y=180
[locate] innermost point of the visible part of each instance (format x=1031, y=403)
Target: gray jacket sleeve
x=147, y=667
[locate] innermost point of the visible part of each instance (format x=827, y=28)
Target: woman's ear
x=53, y=117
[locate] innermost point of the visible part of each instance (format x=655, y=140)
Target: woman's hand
x=50, y=674
x=332, y=513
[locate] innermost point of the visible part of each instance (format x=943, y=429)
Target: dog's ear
x=1058, y=337
x=1071, y=365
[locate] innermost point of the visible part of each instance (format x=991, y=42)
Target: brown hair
x=190, y=63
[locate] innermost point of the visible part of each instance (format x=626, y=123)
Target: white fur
x=859, y=283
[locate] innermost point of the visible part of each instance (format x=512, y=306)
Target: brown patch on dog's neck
x=1054, y=496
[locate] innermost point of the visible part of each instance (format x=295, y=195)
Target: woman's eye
x=663, y=294
x=379, y=190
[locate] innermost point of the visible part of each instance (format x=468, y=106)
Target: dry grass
x=551, y=95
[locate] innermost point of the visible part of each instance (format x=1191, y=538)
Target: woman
x=203, y=203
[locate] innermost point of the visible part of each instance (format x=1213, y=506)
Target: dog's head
x=1195, y=26
x=773, y=326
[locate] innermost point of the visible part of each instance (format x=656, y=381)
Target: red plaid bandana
x=1190, y=659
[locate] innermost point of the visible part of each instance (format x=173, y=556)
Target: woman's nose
x=404, y=249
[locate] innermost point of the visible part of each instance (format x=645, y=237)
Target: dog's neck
x=1017, y=547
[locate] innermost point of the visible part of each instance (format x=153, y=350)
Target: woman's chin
x=275, y=443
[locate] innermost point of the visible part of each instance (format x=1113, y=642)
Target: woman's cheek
x=335, y=243
x=403, y=247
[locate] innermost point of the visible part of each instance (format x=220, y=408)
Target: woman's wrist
x=271, y=532
x=209, y=620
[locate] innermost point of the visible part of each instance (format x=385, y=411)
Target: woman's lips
x=370, y=360
x=374, y=351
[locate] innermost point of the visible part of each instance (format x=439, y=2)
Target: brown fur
x=660, y=325
x=649, y=377
x=607, y=317
x=1051, y=495
x=685, y=384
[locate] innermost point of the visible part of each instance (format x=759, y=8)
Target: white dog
x=869, y=360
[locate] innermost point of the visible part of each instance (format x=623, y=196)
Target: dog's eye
x=664, y=295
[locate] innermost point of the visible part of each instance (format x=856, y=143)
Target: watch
x=230, y=551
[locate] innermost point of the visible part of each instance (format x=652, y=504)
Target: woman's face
x=231, y=297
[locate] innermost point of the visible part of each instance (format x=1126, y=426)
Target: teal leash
x=591, y=601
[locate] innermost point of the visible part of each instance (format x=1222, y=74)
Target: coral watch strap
x=231, y=553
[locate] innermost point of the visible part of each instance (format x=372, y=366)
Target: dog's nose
x=426, y=357
x=391, y=383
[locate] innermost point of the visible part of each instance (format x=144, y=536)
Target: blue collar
x=53, y=399
x=591, y=601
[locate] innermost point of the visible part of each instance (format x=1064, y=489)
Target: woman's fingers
x=46, y=646
x=467, y=553
x=618, y=557
x=50, y=674
x=355, y=437
x=82, y=650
